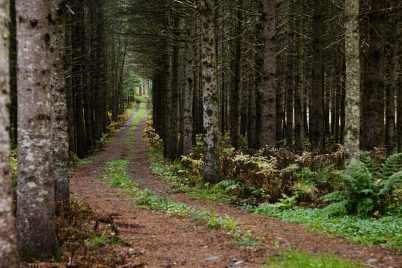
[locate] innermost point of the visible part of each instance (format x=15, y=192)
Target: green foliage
x=385, y=231
x=292, y=259
x=368, y=189
x=76, y=161
x=103, y=239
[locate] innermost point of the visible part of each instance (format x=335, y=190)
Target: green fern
x=368, y=188
x=392, y=165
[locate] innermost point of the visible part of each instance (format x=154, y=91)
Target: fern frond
x=389, y=184
x=392, y=165
x=337, y=208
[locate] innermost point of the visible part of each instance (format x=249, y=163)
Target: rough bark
x=399, y=101
x=210, y=170
x=167, y=92
x=391, y=88
x=13, y=74
x=60, y=138
x=235, y=102
x=8, y=242
x=268, y=94
x=352, y=61
x=188, y=89
x=316, y=109
x=299, y=79
x=35, y=189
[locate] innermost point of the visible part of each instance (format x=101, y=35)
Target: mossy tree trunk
x=8, y=242
x=352, y=60
x=35, y=189
x=211, y=167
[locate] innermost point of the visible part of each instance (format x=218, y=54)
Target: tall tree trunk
x=391, y=88
x=399, y=101
x=299, y=83
x=36, y=204
x=352, y=61
x=235, y=102
x=268, y=96
x=373, y=132
x=290, y=74
x=211, y=167
x=13, y=73
x=316, y=110
x=167, y=92
x=58, y=102
x=188, y=89
x=8, y=242
x=175, y=98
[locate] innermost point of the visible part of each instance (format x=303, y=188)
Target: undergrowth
x=293, y=259
x=115, y=176
x=385, y=231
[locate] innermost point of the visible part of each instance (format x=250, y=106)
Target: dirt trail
x=163, y=241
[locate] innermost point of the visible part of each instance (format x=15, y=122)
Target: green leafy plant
x=293, y=259
x=368, y=190
x=384, y=231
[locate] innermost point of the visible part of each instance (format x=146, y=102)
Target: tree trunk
x=268, y=96
x=391, y=88
x=235, y=102
x=352, y=62
x=167, y=92
x=175, y=88
x=399, y=101
x=60, y=139
x=188, y=89
x=13, y=74
x=299, y=83
x=35, y=205
x=211, y=167
x=8, y=242
x=316, y=112
x=373, y=132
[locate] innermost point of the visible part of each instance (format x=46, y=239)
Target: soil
x=155, y=239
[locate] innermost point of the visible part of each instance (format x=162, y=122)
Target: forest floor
x=158, y=239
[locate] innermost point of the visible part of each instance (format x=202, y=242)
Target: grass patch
x=76, y=161
x=292, y=259
x=102, y=239
x=142, y=111
x=116, y=176
x=385, y=231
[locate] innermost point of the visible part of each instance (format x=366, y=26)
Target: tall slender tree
x=8, y=234
x=373, y=132
x=188, y=87
x=352, y=61
x=60, y=139
x=210, y=171
x=316, y=109
x=35, y=186
x=267, y=134
x=299, y=79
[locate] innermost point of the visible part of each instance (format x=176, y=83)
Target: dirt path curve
x=165, y=241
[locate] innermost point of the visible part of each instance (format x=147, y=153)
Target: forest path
x=158, y=239
x=166, y=241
